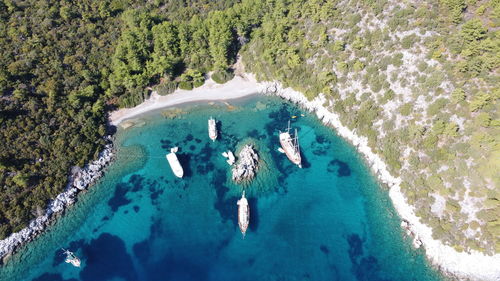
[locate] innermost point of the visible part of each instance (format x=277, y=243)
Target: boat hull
x=288, y=148
x=175, y=165
x=74, y=262
x=212, y=129
x=243, y=215
x=72, y=259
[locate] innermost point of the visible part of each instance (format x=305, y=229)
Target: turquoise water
x=328, y=221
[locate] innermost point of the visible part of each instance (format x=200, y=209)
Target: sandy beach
x=466, y=266
x=239, y=86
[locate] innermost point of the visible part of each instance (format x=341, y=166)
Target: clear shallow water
x=327, y=221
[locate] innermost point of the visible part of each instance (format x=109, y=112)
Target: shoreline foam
x=474, y=266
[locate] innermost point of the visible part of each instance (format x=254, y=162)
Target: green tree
x=479, y=101
x=20, y=180
x=220, y=39
x=129, y=60
x=358, y=65
x=483, y=119
x=473, y=30
x=165, y=49
x=458, y=95
x=455, y=8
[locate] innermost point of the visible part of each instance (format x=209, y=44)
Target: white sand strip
x=236, y=88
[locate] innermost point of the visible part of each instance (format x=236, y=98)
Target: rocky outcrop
x=80, y=179
x=247, y=164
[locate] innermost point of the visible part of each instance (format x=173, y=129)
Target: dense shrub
x=406, y=109
x=186, y=85
x=198, y=83
x=458, y=95
x=222, y=76
x=437, y=106
x=479, y=101
x=166, y=88
x=409, y=41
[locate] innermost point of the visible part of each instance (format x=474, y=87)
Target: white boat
x=174, y=163
x=230, y=157
x=71, y=258
x=243, y=214
x=212, y=129
x=290, y=146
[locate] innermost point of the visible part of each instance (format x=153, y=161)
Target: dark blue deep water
x=330, y=220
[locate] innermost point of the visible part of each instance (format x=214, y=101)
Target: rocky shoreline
x=458, y=265
x=80, y=179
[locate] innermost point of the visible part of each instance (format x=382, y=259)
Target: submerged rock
x=247, y=164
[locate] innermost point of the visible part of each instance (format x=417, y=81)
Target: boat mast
x=69, y=254
x=296, y=138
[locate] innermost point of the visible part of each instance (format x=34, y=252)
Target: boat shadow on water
x=218, y=128
x=185, y=161
x=305, y=164
x=226, y=139
x=254, y=214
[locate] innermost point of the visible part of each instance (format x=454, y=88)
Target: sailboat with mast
x=72, y=258
x=290, y=146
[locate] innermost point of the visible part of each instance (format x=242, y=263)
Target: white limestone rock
x=247, y=164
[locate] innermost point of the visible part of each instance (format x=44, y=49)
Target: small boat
x=71, y=258
x=230, y=157
x=174, y=163
x=243, y=214
x=212, y=129
x=290, y=146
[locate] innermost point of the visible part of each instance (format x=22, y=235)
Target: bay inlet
x=329, y=220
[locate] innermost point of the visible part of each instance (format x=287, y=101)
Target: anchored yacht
x=174, y=163
x=212, y=129
x=71, y=258
x=243, y=214
x=290, y=146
